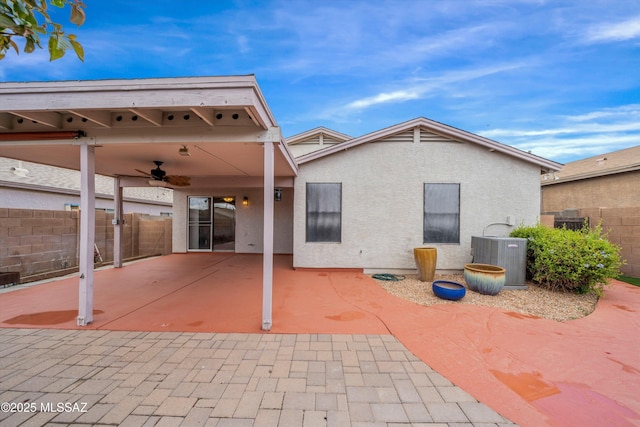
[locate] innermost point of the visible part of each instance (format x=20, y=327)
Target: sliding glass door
x=224, y=224
x=212, y=223
x=200, y=223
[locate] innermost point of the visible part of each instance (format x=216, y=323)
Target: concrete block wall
x=32, y=241
x=39, y=242
x=154, y=235
x=623, y=226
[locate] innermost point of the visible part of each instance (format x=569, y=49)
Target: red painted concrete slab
x=201, y=292
x=533, y=371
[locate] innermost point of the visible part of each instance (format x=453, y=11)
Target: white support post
x=87, y=232
x=267, y=260
x=118, y=224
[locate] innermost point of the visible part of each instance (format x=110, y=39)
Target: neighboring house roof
x=620, y=161
x=38, y=177
x=435, y=128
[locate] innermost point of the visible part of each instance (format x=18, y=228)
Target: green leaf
x=55, y=52
x=29, y=45
x=57, y=3
x=6, y=22
x=77, y=47
x=14, y=46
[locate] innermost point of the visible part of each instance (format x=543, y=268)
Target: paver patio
x=337, y=354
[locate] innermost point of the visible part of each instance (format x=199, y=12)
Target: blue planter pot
x=485, y=278
x=447, y=289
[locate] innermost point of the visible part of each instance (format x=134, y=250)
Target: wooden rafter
x=46, y=118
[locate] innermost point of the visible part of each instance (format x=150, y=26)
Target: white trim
x=437, y=128
x=184, y=92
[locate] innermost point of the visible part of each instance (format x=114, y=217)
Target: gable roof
x=620, y=161
x=438, y=129
x=316, y=133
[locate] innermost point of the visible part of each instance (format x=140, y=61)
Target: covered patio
x=208, y=137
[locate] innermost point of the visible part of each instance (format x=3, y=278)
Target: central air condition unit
x=509, y=253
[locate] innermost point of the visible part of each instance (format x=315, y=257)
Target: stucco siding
x=382, y=201
x=610, y=191
x=249, y=223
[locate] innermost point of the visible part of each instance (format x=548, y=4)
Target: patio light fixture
x=184, y=151
x=245, y=201
x=277, y=194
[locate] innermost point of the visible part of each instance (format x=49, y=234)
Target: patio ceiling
x=222, y=122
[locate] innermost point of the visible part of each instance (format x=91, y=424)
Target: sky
x=560, y=79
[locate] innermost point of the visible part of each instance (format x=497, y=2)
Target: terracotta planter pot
x=484, y=278
x=426, y=259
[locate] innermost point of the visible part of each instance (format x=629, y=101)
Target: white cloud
x=419, y=88
x=625, y=30
x=623, y=111
x=383, y=98
x=578, y=147
x=581, y=129
x=583, y=135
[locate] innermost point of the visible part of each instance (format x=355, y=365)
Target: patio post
x=267, y=259
x=87, y=232
x=118, y=223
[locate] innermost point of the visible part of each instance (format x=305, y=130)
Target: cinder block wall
x=38, y=242
x=154, y=235
x=32, y=241
x=623, y=226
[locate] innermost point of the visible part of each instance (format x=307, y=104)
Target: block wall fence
x=623, y=226
x=42, y=243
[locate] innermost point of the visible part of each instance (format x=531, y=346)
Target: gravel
x=534, y=301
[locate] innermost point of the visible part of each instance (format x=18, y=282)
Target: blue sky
x=558, y=78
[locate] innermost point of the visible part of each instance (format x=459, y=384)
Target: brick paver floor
x=93, y=377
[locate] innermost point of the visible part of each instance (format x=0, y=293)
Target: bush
x=580, y=261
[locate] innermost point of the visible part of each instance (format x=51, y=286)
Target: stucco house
x=340, y=202
x=606, y=190
x=418, y=183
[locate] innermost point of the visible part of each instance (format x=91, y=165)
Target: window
x=324, y=212
x=441, y=213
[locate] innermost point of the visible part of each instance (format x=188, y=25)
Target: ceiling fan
x=158, y=174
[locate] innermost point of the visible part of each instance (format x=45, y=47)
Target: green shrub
x=566, y=260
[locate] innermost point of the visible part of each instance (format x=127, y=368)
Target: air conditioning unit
x=509, y=253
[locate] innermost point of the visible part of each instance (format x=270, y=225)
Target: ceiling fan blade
x=147, y=174
x=179, y=180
